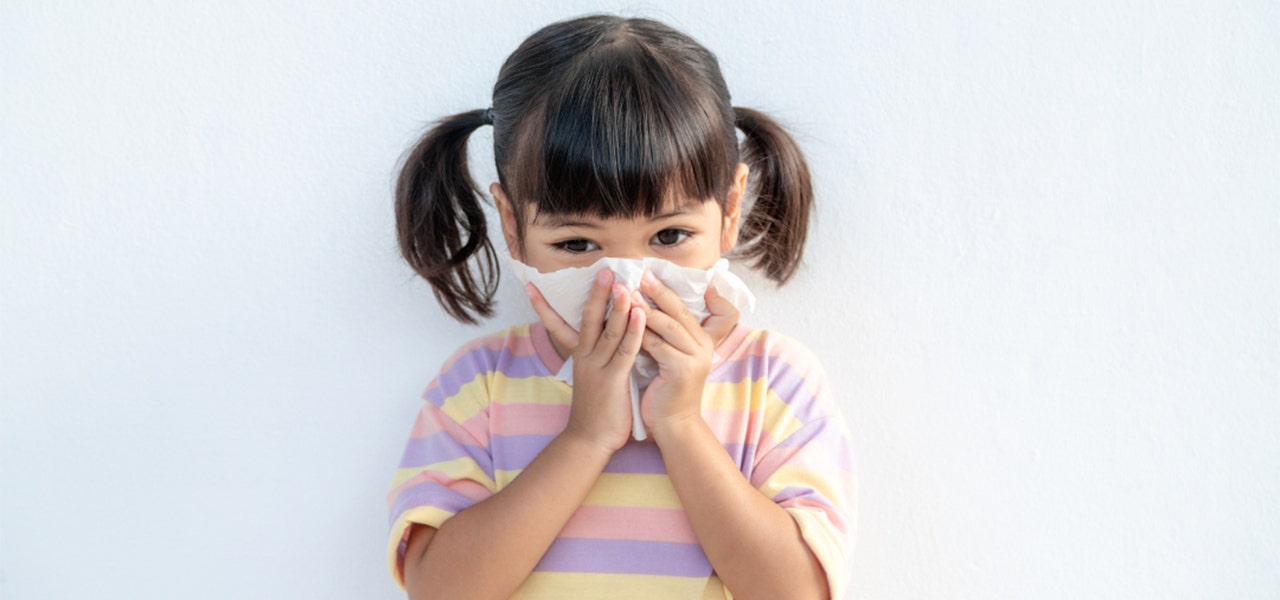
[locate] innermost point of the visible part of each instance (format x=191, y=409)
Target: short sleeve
x=808, y=469
x=446, y=465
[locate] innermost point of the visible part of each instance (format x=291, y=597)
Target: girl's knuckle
x=671, y=327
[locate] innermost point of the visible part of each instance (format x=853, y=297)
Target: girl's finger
x=658, y=348
x=593, y=310
x=631, y=341
x=611, y=337
x=667, y=328
x=668, y=302
x=723, y=318
x=561, y=331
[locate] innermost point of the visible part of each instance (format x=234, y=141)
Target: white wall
x=1045, y=278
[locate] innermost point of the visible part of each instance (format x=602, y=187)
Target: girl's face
x=692, y=234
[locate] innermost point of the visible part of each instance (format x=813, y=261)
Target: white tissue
x=566, y=291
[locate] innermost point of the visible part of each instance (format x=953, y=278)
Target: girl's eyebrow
x=667, y=215
x=565, y=221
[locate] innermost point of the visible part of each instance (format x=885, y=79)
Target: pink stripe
x=728, y=427
x=732, y=345
x=734, y=425
x=422, y=427
x=773, y=344
x=476, y=428
x=464, y=487
x=834, y=516
x=776, y=457
x=764, y=346
x=541, y=341
x=630, y=523
x=528, y=419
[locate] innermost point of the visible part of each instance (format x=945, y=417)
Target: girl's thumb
x=723, y=317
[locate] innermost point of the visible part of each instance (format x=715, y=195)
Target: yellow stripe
x=789, y=476
x=554, y=586
x=737, y=396
x=475, y=395
x=778, y=419
x=827, y=547
x=530, y=390
x=403, y=475
x=621, y=489
x=470, y=399
x=426, y=515
x=633, y=489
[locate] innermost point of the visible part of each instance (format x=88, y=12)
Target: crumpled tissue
x=566, y=291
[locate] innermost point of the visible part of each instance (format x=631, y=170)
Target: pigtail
x=439, y=222
x=773, y=232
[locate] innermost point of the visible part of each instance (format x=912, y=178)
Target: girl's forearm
x=489, y=548
x=753, y=544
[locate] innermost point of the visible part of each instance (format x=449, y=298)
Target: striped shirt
x=496, y=404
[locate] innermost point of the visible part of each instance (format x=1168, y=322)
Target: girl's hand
x=683, y=349
x=603, y=354
x=563, y=336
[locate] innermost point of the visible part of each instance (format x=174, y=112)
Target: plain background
x=1044, y=277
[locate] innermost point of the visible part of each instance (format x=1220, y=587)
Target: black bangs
x=624, y=133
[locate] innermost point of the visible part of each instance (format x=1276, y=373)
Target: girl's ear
x=733, y=208
x=508, y=219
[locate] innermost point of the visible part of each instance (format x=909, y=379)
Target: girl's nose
x=630, y=253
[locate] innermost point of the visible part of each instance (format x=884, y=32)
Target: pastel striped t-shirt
x=496, y=404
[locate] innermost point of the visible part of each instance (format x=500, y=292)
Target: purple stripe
x=785, y=380
x=520, y=365
x=577, y=555
x=515, y=452
x=803, y=436
x=844, y=455
x=826, y=434
x=750, y=368
x=481, y=360
x=798, y=492
x=744, y=455
x=428, y=493
x=440, y=447
x=637, y=457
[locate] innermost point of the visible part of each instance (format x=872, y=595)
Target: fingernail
x=636, y=298
x=649, y=278
x=602, y=277
x=528, y=290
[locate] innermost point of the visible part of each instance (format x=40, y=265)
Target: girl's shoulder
x=775, y=374
x=522, y=348
x=768, y=348
x=464, y=384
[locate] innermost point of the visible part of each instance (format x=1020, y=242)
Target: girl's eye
x=577, y=246
x=670, y=237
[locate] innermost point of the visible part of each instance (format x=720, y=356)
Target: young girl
x=616, y=138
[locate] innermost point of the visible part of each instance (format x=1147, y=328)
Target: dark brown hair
x=601, y=116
